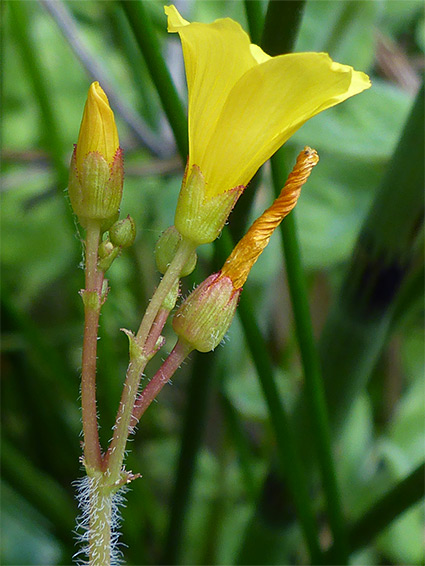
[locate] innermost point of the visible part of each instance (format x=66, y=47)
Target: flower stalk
x=92, y=304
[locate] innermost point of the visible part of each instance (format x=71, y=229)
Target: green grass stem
x=255, y=17
x=314, y=388
x=140, y=21
x=280, y=31
x=195, y=417
x=40, y=490
x=385, y=253
x=386, y=509
x=20, y=23
x=288, y=452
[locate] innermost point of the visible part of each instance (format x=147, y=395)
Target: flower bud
x=96, y=172
x=123, y=232
x=200, y=217
x=107, y=253
x=204, y=317
x=166, y=249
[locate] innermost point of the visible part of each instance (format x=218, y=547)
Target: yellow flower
x=96, y=172
x=244, y=104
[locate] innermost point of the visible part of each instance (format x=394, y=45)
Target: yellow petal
x=266, y=106
x=259, y=55
x=98, y=131
x=216, y=55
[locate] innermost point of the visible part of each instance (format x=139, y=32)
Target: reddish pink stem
x=155, y=333
x=94, y=280
x=180, y=351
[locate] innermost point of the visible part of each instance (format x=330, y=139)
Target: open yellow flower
x=244, y=104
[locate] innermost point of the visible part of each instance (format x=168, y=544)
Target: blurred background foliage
x=51, y=53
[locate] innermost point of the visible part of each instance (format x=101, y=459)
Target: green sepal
x=205, y=316
x=199, y=217
x=166, y=249
x=95, y=191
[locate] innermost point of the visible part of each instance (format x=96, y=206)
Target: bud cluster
x=121, y=235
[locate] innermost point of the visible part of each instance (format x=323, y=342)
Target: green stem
x=100, y=548
x=128, y=412
x=124, y=423
x=314, y=387
x=280, y=31
x=171, y=276
x=92, y=305
x=140, y=22
x=195, y=417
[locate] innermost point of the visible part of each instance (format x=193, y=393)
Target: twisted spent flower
x=247, y=251
x=205, y=316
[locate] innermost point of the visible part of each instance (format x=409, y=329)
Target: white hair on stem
x=91, y=496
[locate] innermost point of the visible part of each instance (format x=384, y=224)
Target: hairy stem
x=146, y=338
x=100, y=524
x=170, y=278
x=181, y=350
x=92, y=305
x=124, y=423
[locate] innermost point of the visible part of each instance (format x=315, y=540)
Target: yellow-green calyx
x=204, y=317
x=96, y=172
x=200, y=216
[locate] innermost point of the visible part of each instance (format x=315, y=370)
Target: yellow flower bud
x=98, y=131
x=96, y=172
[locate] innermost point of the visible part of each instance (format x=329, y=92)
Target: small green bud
x=123, y=232
x=107, y=253
x=105, y=248
x=166, y=249
x=200, y=217
x=204, y=317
